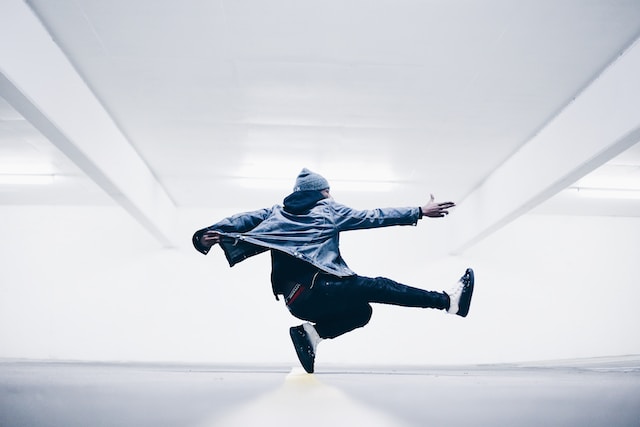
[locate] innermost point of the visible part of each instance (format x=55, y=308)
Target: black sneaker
x=460, y=295
x=304, y=347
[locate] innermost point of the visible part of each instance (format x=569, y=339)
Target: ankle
x=312, y=333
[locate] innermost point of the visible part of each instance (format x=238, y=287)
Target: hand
x=436, y=210
x=209, y=238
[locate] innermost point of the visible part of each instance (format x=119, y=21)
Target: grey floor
x=594, y=392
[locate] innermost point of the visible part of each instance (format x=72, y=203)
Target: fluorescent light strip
x=338, y=185
x=20, y=179
x=607, y=193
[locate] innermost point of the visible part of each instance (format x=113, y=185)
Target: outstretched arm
x=346, y=218
x=205, y=238
x=436, y=210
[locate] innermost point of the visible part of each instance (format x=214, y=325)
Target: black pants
x=338, y=305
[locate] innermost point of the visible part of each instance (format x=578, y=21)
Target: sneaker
x=460, y=295
x=304, y=347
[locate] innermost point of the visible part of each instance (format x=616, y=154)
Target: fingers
x=437, y=210
x=443, y=205
x=210, y=238
x=436, y=213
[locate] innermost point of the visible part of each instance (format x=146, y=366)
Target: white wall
x=88, y=283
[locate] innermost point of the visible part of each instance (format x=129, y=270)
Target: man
x=308, y=270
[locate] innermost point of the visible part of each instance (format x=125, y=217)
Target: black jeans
x=341, y=304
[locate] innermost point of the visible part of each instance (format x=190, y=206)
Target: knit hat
x=308, y=180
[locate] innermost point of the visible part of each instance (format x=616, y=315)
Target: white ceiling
x=223, y=102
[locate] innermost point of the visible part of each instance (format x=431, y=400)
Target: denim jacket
x=311, y=236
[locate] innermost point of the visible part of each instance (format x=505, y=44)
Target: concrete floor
x=594, y=392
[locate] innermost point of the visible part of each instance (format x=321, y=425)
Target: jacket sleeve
x=238, y=223
x=347, y=218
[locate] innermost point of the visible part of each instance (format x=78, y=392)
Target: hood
x=301, y=202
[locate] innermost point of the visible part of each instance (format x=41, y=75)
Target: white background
x=88, y=283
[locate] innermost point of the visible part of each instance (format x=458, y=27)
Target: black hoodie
x=286, y=270
x=301, y=202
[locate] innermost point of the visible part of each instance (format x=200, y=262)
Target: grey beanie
x=308, y=180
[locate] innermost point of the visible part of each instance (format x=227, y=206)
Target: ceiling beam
x=599, y=124
x=38, y=80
